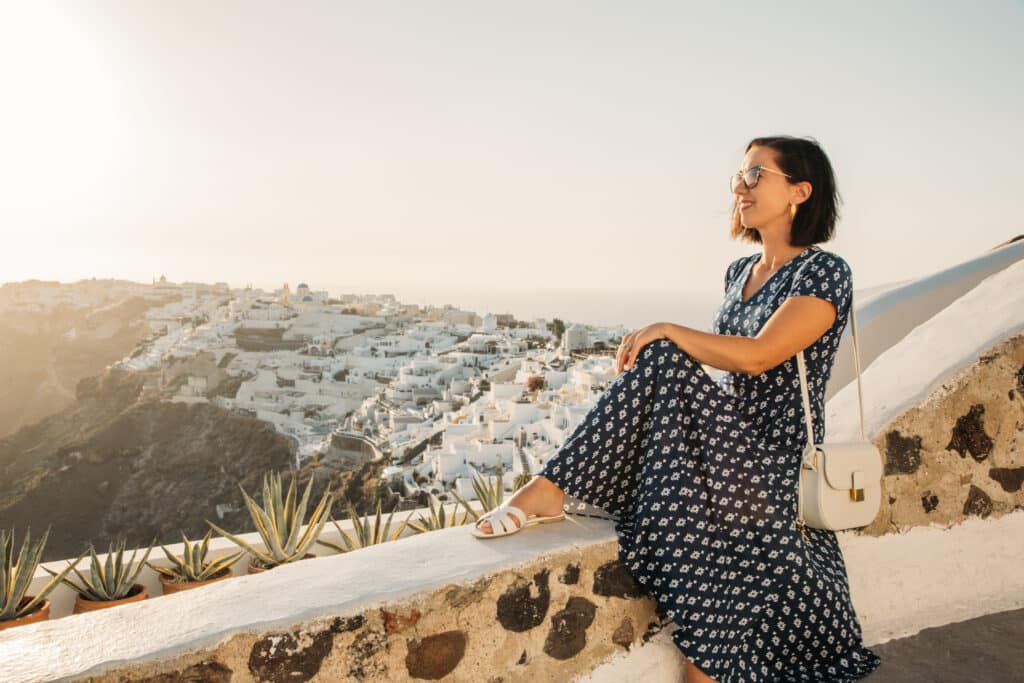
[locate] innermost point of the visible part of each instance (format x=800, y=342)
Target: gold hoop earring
x=792, y=210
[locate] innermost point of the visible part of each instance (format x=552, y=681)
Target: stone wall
x=549, y=604
x=961, y=451
x=547, y=620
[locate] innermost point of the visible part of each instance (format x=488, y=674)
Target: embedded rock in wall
x=958, y=453
x=520, y=623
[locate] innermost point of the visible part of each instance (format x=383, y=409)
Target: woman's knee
x=660, y=352
x=656, y=348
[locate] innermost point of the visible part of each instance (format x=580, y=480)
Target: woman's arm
x=797, y=324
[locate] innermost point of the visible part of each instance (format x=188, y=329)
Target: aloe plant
x=192, y=565
x=111, y=580
x=279, y=523
x=16, y=574
x=439, y=519
x=366, y=534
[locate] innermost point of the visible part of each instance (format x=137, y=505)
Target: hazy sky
x=401, y=145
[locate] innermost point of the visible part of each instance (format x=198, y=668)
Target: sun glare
x=60, y=123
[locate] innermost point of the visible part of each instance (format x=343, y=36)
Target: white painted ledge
x=900, y=583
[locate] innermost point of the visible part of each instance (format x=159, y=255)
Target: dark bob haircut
x=803, y=159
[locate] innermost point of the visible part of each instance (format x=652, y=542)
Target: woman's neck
x=776, y=252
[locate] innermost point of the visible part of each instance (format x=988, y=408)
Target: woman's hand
x=633, y=342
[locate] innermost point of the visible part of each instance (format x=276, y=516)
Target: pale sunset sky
x=399, y=146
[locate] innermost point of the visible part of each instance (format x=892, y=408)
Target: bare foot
x=540, y=497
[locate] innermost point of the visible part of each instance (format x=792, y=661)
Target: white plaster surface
x=886, y=315
x=909, y=371
x=900, y=583
x=656, y=661
x=333, y=585
x=932, y=576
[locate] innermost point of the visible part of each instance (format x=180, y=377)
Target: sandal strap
x=503, y=515
x=513, y=510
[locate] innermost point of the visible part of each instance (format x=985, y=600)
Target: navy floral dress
x=700, y=476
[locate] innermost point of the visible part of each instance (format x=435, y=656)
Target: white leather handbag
x=840, y=482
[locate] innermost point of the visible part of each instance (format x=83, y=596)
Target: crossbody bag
x=840, y=482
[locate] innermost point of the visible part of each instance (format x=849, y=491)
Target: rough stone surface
x=977, y=503
x=343, y=624
x=611, y=579
x=624, y=634
x=292, y=656
x=568, y=634
x=462, y=596
x=435, y=656
x=969, y=435
x=1010, y=478
x=902, y=453
x=518, y=609
x=395, y=622
x=426, y=637
x=571, y=575
x=204, y=672
x=363, y=651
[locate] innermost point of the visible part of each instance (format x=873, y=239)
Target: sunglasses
x=750, y=177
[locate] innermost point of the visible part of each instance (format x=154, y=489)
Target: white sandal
x=502, y=524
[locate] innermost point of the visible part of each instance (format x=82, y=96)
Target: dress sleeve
x=826, y=276
x=730, y=272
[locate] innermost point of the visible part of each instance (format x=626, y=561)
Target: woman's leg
x=601, y=460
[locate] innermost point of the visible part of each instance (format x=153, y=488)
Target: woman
x=702, y=475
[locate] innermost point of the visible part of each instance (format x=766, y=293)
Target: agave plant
x=522, y=479
x=279, y=523
x=16, y=574
x=490, y=492
x=366, y=534
x=192, y=565
x=439, y=519
x=111, y=580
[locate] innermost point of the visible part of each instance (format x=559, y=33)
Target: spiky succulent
x=192, y=565
x=279, y=522
x=490, y=492
x=366, y=533
x=16, y=573
x=112, y=579
x=439, y=518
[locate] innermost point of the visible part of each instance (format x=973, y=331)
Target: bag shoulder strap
x=801, y=365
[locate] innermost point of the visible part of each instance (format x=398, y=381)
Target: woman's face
x=767, y=203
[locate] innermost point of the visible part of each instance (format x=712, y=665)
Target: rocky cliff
x=109, y=465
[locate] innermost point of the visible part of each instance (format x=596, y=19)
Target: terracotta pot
x=138, y=592
x=257, y=570
x=178, y=586
x=40, y=613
